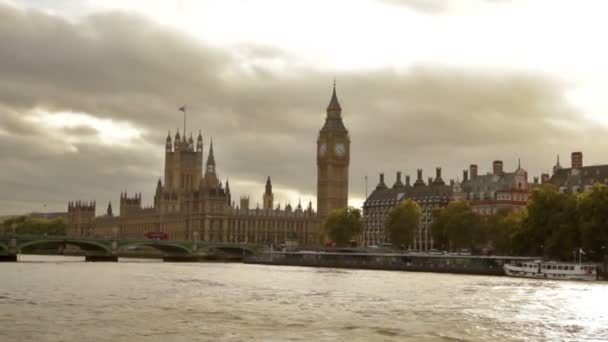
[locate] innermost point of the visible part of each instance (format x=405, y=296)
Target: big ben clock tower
x=333, y=157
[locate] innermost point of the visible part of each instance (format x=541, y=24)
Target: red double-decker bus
x=157, y=236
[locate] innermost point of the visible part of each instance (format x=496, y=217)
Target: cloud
x=262, y=108
x=435, y=7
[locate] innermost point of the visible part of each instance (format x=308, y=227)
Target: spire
x=210, y=158
x=334, y=105
x=268, y=186
x=109, y=211
x=169, y=136
x=557, y=166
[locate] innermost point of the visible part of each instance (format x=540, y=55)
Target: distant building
x=193, y=203
x=496, y=191
x=577, y=178
x=431, y=195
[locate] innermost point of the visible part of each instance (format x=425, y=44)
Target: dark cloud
x=263, y=122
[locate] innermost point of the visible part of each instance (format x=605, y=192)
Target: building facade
x=577, y=178
x=333, y=158
x=431, y=195
x=192, y=203
x=496, y=191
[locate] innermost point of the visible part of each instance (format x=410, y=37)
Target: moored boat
x=551, y=270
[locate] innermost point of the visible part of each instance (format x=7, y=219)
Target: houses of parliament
x=193, y=203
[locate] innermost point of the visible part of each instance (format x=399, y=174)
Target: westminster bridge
x=110, y=249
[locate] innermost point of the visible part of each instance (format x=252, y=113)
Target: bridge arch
x=84, y=245
x=161, y=246
x=234, y=249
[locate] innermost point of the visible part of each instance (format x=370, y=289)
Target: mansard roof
x=394, y=195
x=587, y=175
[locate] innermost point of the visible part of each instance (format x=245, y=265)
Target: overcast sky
x=89, y=89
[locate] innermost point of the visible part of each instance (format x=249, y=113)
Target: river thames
x=44, y=298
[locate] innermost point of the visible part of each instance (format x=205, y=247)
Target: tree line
x=554, y=225
x=29, y=225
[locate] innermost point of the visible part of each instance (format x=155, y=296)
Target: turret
x=199, y=142
x=109, y=210
x=268, y=197
x=228, y=196
x=190, y=143
x=168, y=145
x=177, y=141
x=407, y=181
x=465, y=176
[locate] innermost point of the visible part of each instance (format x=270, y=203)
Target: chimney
x=398, y=183
x=577, y=160
x=381, y=184
x=497, y=167
x=544, y=178
x=473, y=170
x=419, y=181
x=465, y=175
x=407, y=180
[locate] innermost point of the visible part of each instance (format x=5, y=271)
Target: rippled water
x=65, y=299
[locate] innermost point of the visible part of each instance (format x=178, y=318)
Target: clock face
x=340, y=149
x=322, y=149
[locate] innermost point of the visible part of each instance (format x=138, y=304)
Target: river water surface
x=45, y=298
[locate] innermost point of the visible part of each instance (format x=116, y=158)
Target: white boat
x=551, y=270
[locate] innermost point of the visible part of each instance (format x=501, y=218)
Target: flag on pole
x=182, y=108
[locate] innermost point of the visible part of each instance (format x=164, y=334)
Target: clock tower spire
x=333, y=158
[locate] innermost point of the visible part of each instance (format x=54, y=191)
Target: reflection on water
x=65, y=299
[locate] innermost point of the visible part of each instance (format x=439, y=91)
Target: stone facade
x=333, y=157
x=193, y=203
x=578, y=177
x=431, y=195
x=496, y=191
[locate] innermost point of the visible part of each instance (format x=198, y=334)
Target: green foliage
x=503, y=231
x=456, y=226
x=403, y=222
x=342, y=225
x=593, y=220
x=552, y=224
x=27, y=225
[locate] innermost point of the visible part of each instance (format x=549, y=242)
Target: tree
x=27, y=225
x=403, y=222
x=456, y=226
x=593, y=219
x=551, y=227
x=503, y=231
x=342, y=225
